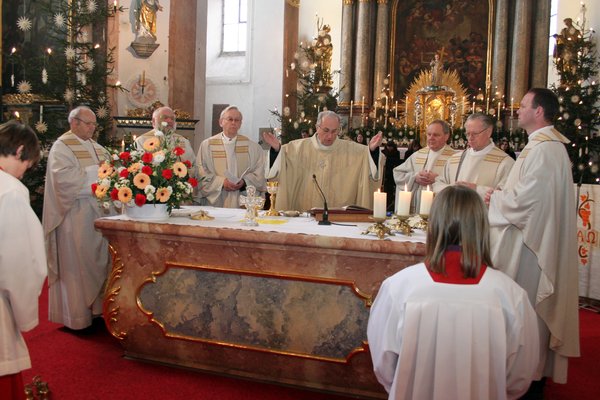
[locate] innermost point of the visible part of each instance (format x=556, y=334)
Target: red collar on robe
x=454, y=274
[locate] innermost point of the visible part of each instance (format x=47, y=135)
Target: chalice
x=272, y=190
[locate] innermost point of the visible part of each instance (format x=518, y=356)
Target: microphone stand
x=325, y=219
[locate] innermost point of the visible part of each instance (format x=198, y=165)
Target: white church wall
x=130, y=66
x=256, y=86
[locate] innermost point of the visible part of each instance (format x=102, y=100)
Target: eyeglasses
x=236, y=120
x=94, y=124
x=476, y=133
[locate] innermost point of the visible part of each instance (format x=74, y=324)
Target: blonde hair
x=458, y=217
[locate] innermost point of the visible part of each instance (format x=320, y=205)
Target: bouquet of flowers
x=154, y=175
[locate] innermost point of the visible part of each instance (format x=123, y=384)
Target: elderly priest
x=345, y=170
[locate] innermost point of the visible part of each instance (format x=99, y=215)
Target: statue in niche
x=565, y=50
x=436, y=69
x=146, y=17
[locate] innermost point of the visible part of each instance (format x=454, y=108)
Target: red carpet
x=90, y=366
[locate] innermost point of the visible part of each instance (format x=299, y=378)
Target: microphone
x=325, y=219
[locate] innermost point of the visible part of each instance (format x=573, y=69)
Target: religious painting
x=458, y=31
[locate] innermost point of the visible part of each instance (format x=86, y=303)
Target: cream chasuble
x=533, y=239
x=487, y=168
x=424, y=159
x=345, y=171
x=181, y=141
x=219, y=158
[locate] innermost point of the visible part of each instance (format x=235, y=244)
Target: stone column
x=500, y=52
x=381, y=47
x=521, y=50
x=347, y=47
x=539, y=52
x=362, y=79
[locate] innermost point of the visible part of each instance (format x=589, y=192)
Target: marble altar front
x=286, y=302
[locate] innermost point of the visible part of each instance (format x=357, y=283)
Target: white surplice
x=22, y=273
x=533, y=237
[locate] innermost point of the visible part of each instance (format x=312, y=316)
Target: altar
x=285, y=302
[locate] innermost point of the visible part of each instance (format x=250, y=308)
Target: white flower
x=158, y=157
x=59, y=20
x=70, y=53
x=24, y=87
x=105, y=182
x=159, y=134
x=44, y=76
x=41, y=127
x=106, y=205
x=115, y=157
x=24, y=24
x=102, y=112
x=120, y=169
x=91, y=6
x=149, y=189
x=149, y=196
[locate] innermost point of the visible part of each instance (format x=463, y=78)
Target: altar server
x=345, y=170
x=78, y=257
x=482, y=166
x=22, y=256
x=453, y=327
x=229, y=162
x=422, y=168
x=533, y=232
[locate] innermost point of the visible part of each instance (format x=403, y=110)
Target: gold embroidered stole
x=219, y=155
x=81, y=153
x=486, y=168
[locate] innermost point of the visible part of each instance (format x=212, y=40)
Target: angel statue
x=436, y=70
x=146, y=17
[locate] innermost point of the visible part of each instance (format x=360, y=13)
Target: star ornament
x=41, y=127
x=69, y=95
x=24, y=87
x=70, y=53
x=59, y=20
x=24, y=24
x=102, y=112
x=91, y=6
x=44, y=76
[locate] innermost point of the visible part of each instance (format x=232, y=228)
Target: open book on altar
x=350, y=213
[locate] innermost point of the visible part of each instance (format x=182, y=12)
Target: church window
x=235, y=25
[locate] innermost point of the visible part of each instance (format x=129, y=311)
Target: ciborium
x=253, y=203
x=272, y=190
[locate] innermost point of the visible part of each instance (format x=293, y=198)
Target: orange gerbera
x=101, y=191
x=180, y=169
x=151, y=144
x=125, y=194
x=105, y=170
x=135, y=167
x=141, y=180
x=163, y=194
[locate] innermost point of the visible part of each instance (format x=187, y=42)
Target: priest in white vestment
x=453, y=327
x=229, y=162
x=482, y=166
x=345, y=170
x=423, y=167
x=22, y=255
x=533, y=232
x=78, y=257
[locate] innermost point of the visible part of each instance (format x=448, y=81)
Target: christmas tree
x=577, y=64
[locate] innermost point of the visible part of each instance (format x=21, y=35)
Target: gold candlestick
x=272, y=190
x=401, y=225
x=378, y=228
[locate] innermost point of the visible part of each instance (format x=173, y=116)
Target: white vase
x=148, y=212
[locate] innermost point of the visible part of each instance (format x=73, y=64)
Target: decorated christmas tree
x=577, y=64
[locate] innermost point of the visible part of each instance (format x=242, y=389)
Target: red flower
x=147, y=170
x=167, y=173
x=114, y=194
x=124, y=173
x=178, y=151
x=193, y=182
x=94, y=187
x=125, y=156
x=147, y=157
x=140, y=199
x=188, y=163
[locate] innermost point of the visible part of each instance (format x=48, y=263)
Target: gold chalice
x=272, y=190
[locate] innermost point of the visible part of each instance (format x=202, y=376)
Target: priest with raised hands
x=482, y=166
x=343, y=169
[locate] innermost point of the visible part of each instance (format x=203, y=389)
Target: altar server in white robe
x=482, y=166
x=345, y=170
x=22, y=255
x=78, y=257
x=229, y=162
x=453, y=327
x=533, y=231
x=423, y=167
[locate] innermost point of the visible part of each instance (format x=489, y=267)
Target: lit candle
x=122, y=145
x=404, y=197
x=396, y=110
x=379, y=204
x=362, y=107
x=473, y=108
x=351, y=106
x=498, y=111
x=426, y=200
x=512, y=106
x=386, y=104
x=115, y=5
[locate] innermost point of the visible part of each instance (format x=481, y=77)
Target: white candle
x=473, y=108
x=404, y=197
x=512, y=106
x=386, y=104
x=426, y=200
x=362, y=107
x=122, y=145
x=41, y=113
x=379, y=204
x=396, y=110
x=498, y=111
x=351, y=106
